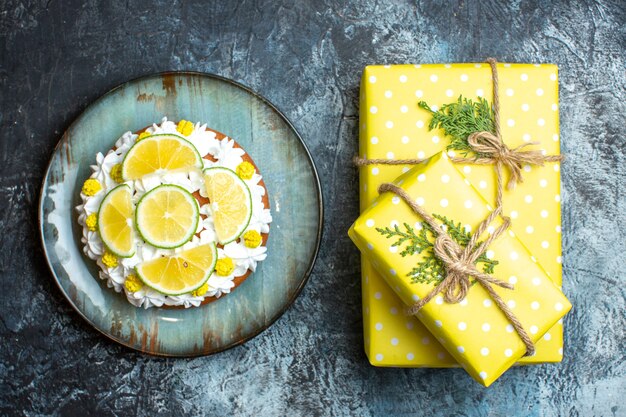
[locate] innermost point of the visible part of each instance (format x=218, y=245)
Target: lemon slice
x=181, y=273
x=158, y=153
x=115, y=222
x=167, y=216
x=230, y=202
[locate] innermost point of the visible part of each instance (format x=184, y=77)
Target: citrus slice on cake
x=230, y=202
x=160, y=153
x=181, y=273
x=167, y=216
x=115, y=221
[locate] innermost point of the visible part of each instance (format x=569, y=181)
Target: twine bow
x=459, y=262
x=494, y=151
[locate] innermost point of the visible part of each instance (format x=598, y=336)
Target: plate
x=295, y=198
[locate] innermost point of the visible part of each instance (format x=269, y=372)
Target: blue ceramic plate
x=295, y=199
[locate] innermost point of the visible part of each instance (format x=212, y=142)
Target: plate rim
x=312, y=261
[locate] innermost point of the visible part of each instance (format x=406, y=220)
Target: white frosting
x=244, y=258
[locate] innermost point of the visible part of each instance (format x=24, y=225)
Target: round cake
x=175, y=215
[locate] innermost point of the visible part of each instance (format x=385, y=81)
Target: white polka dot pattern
x=409, y=131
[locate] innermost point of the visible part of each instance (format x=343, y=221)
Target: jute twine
x=460, y=262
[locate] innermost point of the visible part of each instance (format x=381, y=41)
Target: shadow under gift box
x=475, y=332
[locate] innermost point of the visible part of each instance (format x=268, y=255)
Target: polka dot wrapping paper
x=474, y=332
x=393, y=126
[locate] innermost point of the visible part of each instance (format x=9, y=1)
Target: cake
x=175, y=215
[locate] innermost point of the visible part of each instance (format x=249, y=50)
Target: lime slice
x=167, y=216
x=159, y=153
x=181, y=273
x=230, y=202
x=115, y=222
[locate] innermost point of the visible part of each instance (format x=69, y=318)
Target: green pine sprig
x=461, y=119
x=416, y=242
x=431, y=269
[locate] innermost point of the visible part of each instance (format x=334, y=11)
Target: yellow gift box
x=475, y=332
x=393, y=126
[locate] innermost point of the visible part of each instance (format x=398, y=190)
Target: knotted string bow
x=494, y=151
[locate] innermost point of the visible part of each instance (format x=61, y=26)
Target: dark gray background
x=56, y=57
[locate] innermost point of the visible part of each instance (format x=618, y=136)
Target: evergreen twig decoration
x=461, y=119
x=431, y=269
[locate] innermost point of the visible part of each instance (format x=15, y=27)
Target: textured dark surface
x=306, y=57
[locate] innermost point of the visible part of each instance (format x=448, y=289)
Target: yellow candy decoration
x=143, y=135
x=116, y=173
x=224, y=267
x=92, y=222
x=185, y=127
x=91, y=187
x=132, y=283
x=201, y=291
x=109, y=259
x=245, y=170
x=252, y=239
